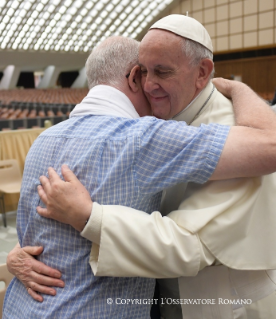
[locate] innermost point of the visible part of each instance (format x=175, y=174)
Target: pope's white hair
x=196, y=52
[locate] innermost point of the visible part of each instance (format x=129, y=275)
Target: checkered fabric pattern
x=120, y=161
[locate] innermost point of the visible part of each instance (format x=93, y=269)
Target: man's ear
x=205, y=69
x=134, y=78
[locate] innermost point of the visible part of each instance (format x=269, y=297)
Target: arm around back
x=250, y=149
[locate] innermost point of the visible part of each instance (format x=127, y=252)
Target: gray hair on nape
x=111, y=60
x=195, y=52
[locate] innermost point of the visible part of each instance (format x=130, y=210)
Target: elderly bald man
x=176, y=66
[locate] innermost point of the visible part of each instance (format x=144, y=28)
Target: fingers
x=42, y=211
x=67, y=174
x=223, y=86
x=46, y=187
x=33, y=250
x=53, y=176
x=34, y=295
x=42, y=194
x=39, y=282
x=43, y=269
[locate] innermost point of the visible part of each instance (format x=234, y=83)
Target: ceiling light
x=94, y=12
x=18, y=20
x=78, y=3
x=67, y=3
x=98, y=20
x=56, y=2
x=73, y=24
x=128, y=10
x=25, y=28
x=83, y=11
x=62, y=9
x=10, y=12
x=34, y=14
x=78, y=18
x=51, y=8
x=52, y=23
x=57, y=16
x=2, y=3
x=88, y=19
x=63, y=18
x=89, y=5
x=41, y=22
x=48, y=29
x=27, y=5
x=67, y=18
x=113, y=15
x=99, y=6
x=123, y=16
x=46, y=15
x=39, y=7
x=72, y=10
x=117, y=22
x=6, y=19
x=109, y=7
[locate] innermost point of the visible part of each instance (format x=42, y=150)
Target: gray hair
x=196, y=52
x=109, y=62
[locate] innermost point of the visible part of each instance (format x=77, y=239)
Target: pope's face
x=167, y=78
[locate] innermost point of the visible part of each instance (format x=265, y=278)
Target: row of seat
x=19, y=115
x=23, y=110
x=26, y=123
x=58, y=95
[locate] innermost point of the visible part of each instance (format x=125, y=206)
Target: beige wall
x=234, y=24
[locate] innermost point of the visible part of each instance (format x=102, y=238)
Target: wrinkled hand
x=225, y=86
x=35, y=276
x=67, y=201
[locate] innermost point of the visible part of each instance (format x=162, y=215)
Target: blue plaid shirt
x=120, y=161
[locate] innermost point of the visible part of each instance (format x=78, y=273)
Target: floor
x=8, y=235
x=8, y=238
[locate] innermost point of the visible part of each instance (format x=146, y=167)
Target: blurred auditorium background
x=44, y=45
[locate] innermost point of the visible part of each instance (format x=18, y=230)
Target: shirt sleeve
x=159, y=248
x=171, y=152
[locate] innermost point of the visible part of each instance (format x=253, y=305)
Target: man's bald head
x=109, y=62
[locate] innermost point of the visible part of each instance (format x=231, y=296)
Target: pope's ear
x=205, y=69
x=134, y=78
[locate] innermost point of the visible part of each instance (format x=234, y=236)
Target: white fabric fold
x=105, y=100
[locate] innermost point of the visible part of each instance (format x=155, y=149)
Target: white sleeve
x=134, y=243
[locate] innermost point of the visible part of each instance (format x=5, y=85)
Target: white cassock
x=228, y=224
